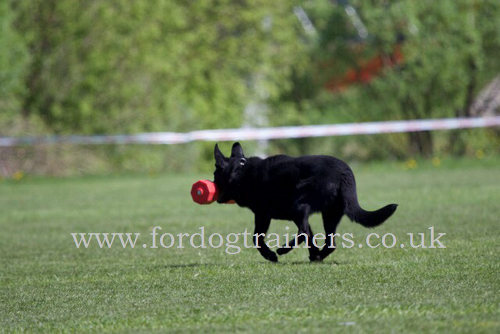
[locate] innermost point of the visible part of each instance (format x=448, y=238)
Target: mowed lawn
x=47, y=284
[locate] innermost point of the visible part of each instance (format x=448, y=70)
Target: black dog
x=282, y=187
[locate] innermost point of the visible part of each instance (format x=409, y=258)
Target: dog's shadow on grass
x=190, y=265
x=284, y=263
x=329, y=263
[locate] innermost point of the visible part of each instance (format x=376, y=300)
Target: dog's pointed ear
x=219, y=157
x=237, y=150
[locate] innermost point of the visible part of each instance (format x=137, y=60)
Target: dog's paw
x=282, y=251
x=315, y=258
x=271, y=256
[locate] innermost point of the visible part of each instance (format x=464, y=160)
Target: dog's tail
x=354, y=211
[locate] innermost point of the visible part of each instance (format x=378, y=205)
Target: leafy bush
x=93, y=67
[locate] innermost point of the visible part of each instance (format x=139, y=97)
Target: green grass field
x=47, y=284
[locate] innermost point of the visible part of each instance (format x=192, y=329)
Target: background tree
x=13, y=62
x=449, y=49
x=93, y=67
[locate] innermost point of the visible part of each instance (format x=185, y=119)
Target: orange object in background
x=205, y=192
x=366, y=70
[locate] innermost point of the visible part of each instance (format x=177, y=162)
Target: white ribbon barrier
x=262, y=133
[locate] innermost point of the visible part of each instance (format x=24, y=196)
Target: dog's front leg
x=262, y=223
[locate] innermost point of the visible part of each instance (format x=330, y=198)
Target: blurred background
x=125, y=67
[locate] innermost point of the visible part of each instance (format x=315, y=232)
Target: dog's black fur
x=282, y=187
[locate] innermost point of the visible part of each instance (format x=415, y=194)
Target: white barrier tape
x=263, y=133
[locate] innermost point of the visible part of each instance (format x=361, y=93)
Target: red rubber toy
x=204, y=192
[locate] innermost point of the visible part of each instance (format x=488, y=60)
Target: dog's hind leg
x=331, y=219
x=261, y=226
x=292, y=243
x=304, y=233
x=314, y=252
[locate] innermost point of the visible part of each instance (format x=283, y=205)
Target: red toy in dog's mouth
x=205, y=192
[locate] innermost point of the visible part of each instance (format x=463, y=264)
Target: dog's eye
x=243, y=161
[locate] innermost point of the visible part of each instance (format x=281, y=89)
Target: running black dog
x=282, y=187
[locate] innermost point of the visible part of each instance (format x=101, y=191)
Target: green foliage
x=101, y=67
x=92, y=67
x=450, y=51
x=13, y=61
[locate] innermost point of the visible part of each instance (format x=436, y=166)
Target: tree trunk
x=421, y=143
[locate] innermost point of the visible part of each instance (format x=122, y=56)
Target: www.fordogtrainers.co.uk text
x=232, y=242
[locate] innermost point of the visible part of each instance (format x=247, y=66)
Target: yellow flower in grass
x=411, y=164
x=436, y=162
x=479, y=154
x=18, y=175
